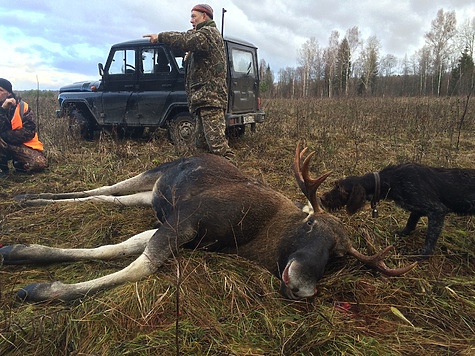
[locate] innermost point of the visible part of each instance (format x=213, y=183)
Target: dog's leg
x=411, y=224
x=435, y=224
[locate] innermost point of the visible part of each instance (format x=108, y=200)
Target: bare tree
x=421, y=64
x=407, y=74
x=466, y=37
x=308, y=59
x=286, y=83
x=443, y=29
x=387, y=65
x=331, y=55
x=406, y=69
x=370, y=65
x=343, y=67
x=353, y=35
x=354, y=42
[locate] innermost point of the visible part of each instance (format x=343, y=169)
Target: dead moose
x=205, y=201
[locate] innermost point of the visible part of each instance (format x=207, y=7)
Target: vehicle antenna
x=222, y=21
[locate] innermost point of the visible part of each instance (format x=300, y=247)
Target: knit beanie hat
x=208, y=10
x=5, y=84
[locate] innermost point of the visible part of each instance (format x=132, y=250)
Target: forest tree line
x=353, y=66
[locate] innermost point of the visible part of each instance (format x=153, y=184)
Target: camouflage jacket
x=18, y=136
x=205, y=64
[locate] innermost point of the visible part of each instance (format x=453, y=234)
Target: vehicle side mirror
x=101, y=69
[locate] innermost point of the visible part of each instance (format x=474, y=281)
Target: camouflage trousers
x=210, y=131
x=24, y=158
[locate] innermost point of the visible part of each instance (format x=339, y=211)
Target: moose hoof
x=12, y=255
x=34, y=292
x=26, y=292
x=4, y=252
x=22, y=197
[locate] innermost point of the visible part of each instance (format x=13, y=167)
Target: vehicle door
x=158, y=76
x=243, y=78
x=120, y=100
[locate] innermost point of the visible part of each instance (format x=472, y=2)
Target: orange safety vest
x=17, y=123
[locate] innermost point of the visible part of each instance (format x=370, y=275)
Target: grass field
x=225, y=305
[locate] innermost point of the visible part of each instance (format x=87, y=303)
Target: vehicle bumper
x=245, y=119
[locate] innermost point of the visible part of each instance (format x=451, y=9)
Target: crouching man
x=18, y=136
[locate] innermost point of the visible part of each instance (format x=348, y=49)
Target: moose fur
x=204, y=202
x=421, y=190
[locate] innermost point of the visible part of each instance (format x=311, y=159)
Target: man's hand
x=153, y=37
x=9, y=103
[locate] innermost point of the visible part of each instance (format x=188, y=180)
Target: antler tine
x=376, y=261
x=307, y=184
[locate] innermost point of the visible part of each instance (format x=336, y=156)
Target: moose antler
x=377, y=261
x=307, y=184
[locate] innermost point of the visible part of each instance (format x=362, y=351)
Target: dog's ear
x=356, y=200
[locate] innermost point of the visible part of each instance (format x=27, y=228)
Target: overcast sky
x=53, y=43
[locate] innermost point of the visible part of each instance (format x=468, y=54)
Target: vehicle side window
x=179, y=59
x=148, y=60
x=180, y=62
x=123, y=62
x=162, y=64
x=154, y=60
x=243, y=62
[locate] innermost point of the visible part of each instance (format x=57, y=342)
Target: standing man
x=206, y=86
x=18, y=137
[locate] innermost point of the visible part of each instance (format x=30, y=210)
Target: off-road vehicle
x=142, y=86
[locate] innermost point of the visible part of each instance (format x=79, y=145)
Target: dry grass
x=228, y=306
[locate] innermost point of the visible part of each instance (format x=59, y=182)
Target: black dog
x=424, y=191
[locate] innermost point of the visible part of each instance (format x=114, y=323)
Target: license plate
x=249, y=119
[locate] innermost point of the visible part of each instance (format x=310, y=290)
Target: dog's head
x=346, y=192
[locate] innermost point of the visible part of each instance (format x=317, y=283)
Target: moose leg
x=38, y=254
x=161, y=245
x=435, y=224
x=137, y=199
x=140, y=183
x=411, y=224
x=39, y=292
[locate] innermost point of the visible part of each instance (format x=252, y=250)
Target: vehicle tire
x=181, y=130
x=235, y=131
x=80, y=127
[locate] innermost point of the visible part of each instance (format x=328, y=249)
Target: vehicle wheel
x=181, y=130
x=235, y=131
x=80, y=127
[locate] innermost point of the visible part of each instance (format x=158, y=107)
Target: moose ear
x=356, y=200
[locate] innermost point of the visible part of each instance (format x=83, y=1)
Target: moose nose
x=297, y=293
